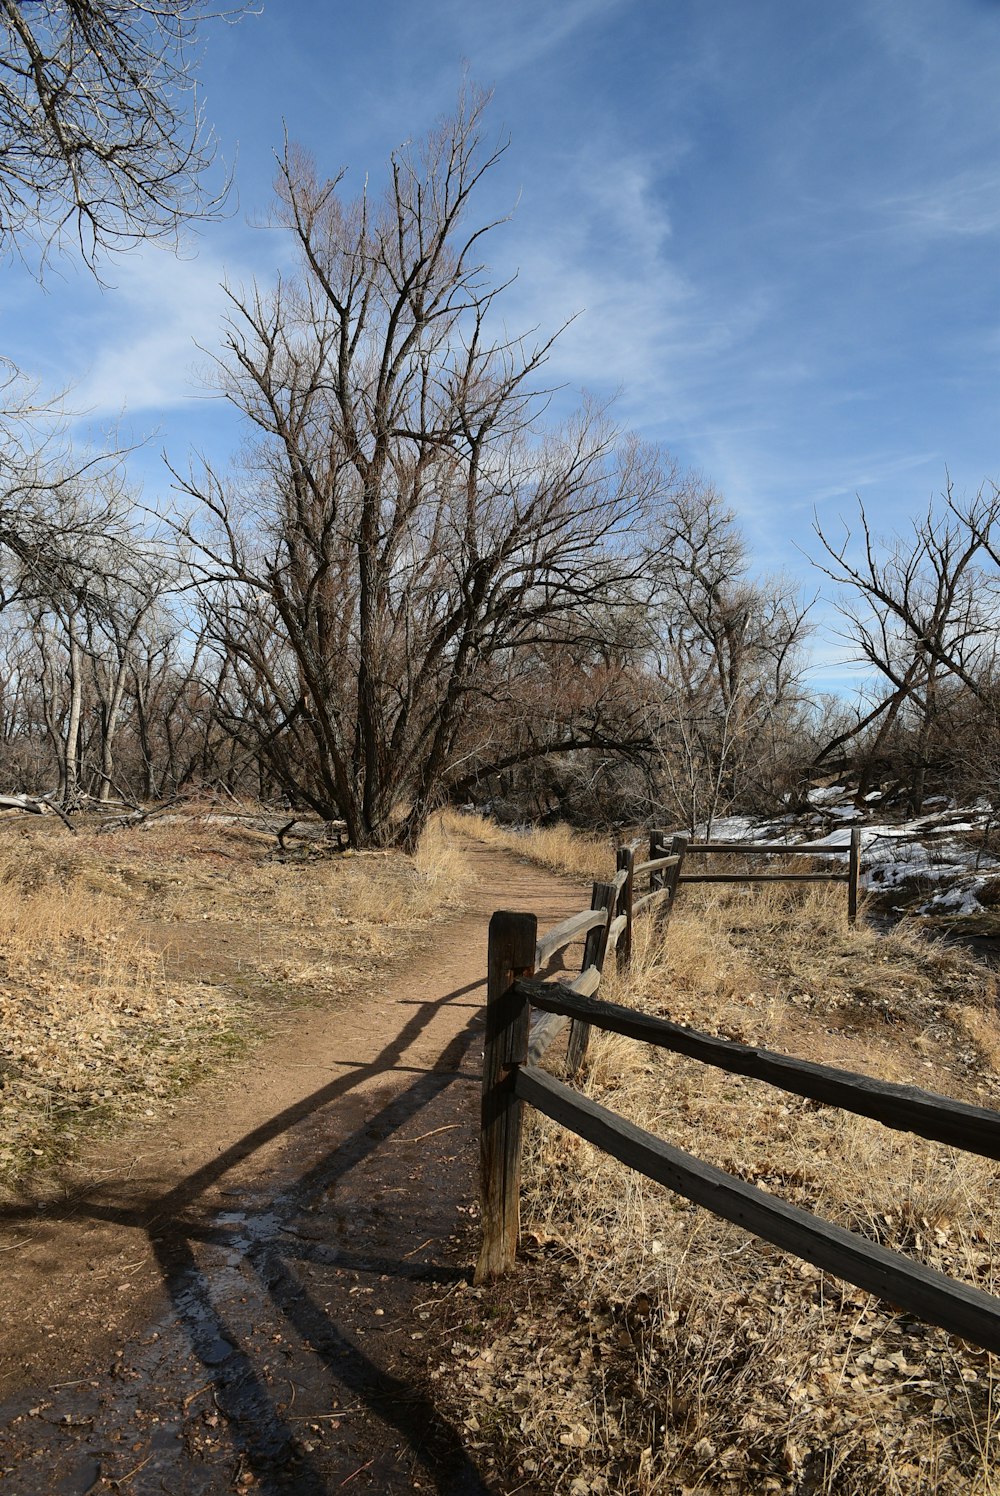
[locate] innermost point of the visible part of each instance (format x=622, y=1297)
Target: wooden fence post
x=678, y=847
x=624, y=862
x=603, y=897
x=511, y=956
x=657, y=846
x=853, y=874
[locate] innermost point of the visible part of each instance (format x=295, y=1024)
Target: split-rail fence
x=524, y=1015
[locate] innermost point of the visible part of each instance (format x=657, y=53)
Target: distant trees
x=103, y=146
x=415, y=584
x=727, y=658
x=102, y=707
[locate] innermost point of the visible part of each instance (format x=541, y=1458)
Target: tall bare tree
x=405, y=527
x=726, y=654
x=102, y=142
x=921, y=610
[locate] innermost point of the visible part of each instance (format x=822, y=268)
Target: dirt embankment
x=230, y=1297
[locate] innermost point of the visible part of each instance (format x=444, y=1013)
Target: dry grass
x=134, y=963
x=558, y=847
x=664, y=1351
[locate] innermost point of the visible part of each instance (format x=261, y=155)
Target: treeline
x=416, y=585
x=128, y=674
x=673, y=681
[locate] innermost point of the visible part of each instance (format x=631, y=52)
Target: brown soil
x=233, y=1298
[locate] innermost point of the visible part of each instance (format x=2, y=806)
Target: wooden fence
x=511, y=1078
x=851, y=877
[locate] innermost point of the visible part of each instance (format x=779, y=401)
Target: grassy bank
x=133, y=963
x=559, y=847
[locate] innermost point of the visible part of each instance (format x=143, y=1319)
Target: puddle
x=286, y=1363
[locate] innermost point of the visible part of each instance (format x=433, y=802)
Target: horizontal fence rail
x=655, y=864
x=928, y=1294
x=560, y=936
x=784, y=849
x=515, y=1043
x=764, y=878
x=614, y=906
x=974, y=1129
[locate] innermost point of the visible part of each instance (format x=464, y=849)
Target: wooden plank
x=545, y=1029
x=678, y=849
x=657, y=849
x=625, y=861
x=603, y=897
x=931, y=1296
x=794, y=849
x=763, y=878
x=511, y=955
x=906, y=1108
x=586, y=983
x=650, y=898
x=616, y=929
x=654, y=864
x=853, y=875
x=619, y=881
x=565, y=933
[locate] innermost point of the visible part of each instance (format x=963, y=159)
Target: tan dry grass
x=560, y=848
x=670, y=1352
x=133, y=963
x=90, y=1026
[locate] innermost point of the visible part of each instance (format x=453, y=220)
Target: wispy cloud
x=599, y=250
x=958, y=205
x=148, y=329
x=521, y=33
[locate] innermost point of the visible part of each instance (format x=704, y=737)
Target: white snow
x=928, y=847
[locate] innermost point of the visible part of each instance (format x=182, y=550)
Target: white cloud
x=599, y=249
x=144, y=334
x=961, y=205
x=517, y=35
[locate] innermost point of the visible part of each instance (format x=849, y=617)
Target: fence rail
x=974, y=1129
x=560, y=936
x=922, y=1291
x=511, y=1079
x=786, y=849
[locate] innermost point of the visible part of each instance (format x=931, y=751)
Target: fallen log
x=36, y=806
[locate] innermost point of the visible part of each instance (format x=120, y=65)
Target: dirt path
x=233, y=1302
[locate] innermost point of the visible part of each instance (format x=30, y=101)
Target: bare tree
x=101, y=139
x=921, y=611
x=405, y=528
x=101, y=130
x=726, y=657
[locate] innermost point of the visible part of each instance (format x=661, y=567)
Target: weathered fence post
x=603, y=897
x=657, y=846
x=624, y=862
x=853, y=874
x=678, y=847
x=511, y=956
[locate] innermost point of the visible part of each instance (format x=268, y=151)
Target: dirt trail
x=233, y=1302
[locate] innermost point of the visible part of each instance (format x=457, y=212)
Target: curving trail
x=234, y=1303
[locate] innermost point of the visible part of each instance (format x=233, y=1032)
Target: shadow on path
x=237, y=1285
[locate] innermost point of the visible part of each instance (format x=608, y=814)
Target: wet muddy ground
x=288, y=1342
x=293, y=1356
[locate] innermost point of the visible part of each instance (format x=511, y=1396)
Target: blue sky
x=779, y=221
